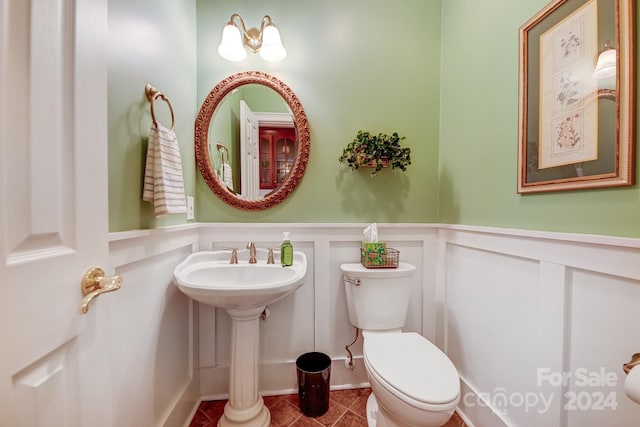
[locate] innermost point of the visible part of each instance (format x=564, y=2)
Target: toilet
x=414, y=384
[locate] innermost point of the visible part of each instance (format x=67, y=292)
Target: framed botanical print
x=577, y=96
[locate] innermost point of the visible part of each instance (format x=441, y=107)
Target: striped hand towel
x=163, y=181
x=227, y=176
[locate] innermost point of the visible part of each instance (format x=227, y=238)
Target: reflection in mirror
x=249, y=165
x=252, y=140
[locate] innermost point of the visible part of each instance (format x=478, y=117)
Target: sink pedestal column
x=245, y=406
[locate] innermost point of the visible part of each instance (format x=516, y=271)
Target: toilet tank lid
x=358, y=270
x=414, y=366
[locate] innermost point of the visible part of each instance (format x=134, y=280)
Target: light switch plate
x=190, y=214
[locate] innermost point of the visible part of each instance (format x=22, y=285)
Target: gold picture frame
x=576, y=130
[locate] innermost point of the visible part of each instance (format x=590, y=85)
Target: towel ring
x=153, y=94
x=224, y=153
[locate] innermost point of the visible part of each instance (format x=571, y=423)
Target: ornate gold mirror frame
x=203, y=157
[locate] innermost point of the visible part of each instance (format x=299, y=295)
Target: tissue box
x=387, y=259
x=374, y=247
x=373, y=253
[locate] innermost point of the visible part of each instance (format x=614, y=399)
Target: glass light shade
x=231, y=47
x=272, y=49
x=606, y=65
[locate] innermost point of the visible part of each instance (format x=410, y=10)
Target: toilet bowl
x=414, y=384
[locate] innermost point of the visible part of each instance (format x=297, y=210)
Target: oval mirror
x=252, y=140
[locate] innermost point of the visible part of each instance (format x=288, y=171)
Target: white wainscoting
x=154, y=339
x=511, y=308
x=314, y=318
x=520, y=308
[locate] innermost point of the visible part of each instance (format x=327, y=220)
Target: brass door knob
x=94, y=283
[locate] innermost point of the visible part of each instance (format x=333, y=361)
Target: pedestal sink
x=243, y=290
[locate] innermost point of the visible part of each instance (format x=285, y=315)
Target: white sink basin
x=209, y=278
x=243, y=290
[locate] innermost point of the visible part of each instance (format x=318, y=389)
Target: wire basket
x=389, y=258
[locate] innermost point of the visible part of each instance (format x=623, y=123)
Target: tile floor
x=347, y=408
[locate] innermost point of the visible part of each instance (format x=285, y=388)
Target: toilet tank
x=377, y=299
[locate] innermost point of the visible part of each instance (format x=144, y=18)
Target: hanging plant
x=376, y=151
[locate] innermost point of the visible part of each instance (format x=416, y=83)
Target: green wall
x=150, y=41
x=353, y=66
x=479, y=133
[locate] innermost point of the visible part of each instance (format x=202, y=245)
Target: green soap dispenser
x=286, y=250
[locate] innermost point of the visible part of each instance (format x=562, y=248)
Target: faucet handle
x=270, y=257
x=234, y=255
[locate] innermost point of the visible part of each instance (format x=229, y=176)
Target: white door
x=250, y=169
x=53, y=212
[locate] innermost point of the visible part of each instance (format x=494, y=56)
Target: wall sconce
x=606, y=65
x=265, y=41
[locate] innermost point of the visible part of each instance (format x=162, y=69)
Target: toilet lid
x=413, y=366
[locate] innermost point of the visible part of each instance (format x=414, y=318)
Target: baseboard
x=185, y=407
x=474, y=406
x=280, y=378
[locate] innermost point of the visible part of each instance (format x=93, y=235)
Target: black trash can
x=314, y=375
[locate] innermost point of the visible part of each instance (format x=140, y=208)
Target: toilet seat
x=413, y=369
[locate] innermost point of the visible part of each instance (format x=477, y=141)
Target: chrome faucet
x=252, y=252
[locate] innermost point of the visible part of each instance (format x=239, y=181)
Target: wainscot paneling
x=314, y=318
x=153, y=349
x=515, y=310
x=539, y=325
